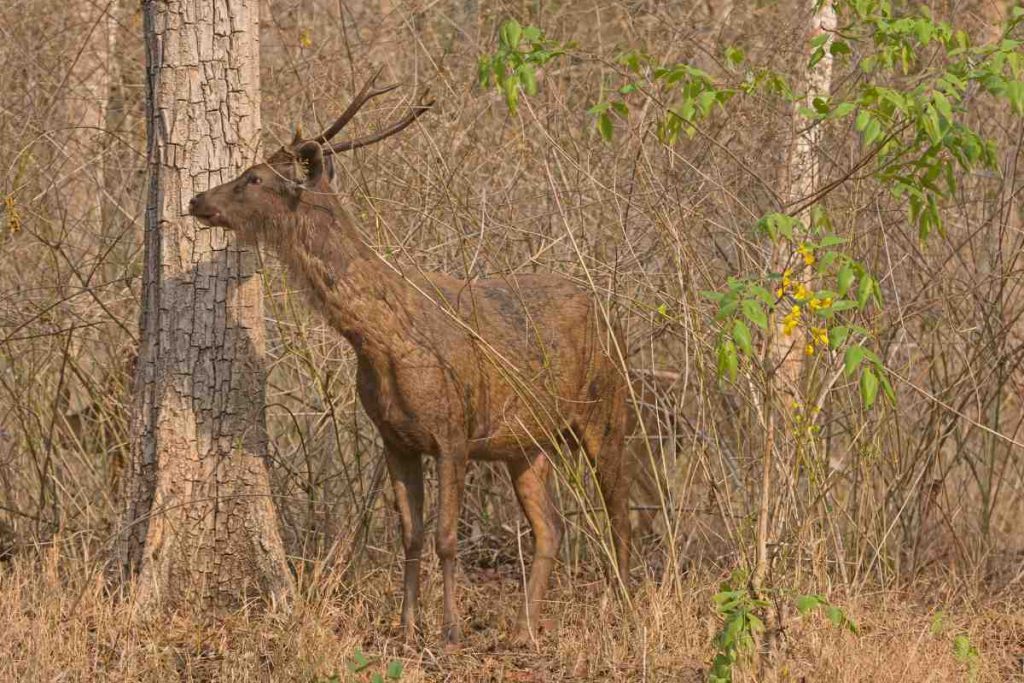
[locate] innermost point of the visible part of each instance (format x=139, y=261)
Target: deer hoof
x=452, y=638
x=523, y=636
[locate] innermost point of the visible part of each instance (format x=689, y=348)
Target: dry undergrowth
x=58, y=624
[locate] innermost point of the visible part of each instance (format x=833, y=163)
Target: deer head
x=257, y=200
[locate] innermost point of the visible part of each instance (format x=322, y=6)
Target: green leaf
x=394, y=671
x=754, y=313
x=938, y=623
x=741, y=335
x=868, y=387
x=872, y=132
x=512, y=93
x=727, y=308
x=842, y=109
x=360, y=661
x=862, y=121
x=864, y=288
x=510, y=34
x=816, y=56
x=484, y=72
x=604, y=126
x=528, y=78
x=837, y=335
x=734, y=55
x=818, y=40
x=731, y=360
x=842, y=305
x=942, y=106
x=805, y=603
x=887, y=389
x=725, y=597
x=763, y=294
x=852, y=359
x=845, y=279
x=963, y=650
x=839, y=47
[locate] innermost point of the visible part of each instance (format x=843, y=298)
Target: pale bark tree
x=797, y=178
x=200, y=526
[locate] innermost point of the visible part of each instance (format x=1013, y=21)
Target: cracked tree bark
x=200, y=527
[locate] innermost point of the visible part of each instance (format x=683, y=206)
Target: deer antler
x=414, y=113
x=364, y=96
x=367, y=93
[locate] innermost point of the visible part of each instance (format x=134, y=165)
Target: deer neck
x=358, y=293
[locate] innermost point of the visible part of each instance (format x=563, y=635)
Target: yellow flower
x=807, y=253
x=801, y=293
x=809, y=350
x=819, y=335
x=791, y=320
x=817, y=303
x=786, y=282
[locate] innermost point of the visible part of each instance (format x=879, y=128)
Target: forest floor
x=58, y=624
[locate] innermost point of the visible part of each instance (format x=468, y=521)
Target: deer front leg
x=451, y=471
x=406, y=472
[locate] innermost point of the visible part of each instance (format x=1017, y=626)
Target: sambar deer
x=506, y=369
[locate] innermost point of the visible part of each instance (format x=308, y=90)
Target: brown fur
x=503, y=369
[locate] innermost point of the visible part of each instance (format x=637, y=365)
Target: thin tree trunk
x=200, y=526
x=797, y=179
x=85, y=111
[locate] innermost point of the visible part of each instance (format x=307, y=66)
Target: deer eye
x=255, y=179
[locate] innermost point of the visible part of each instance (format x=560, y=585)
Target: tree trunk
x=84, y=107
x=200, y=526
x=797, y=179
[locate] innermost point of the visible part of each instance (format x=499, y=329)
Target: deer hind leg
x=603, y=442
x=406, y=472
x=530, y=481
x=451, y=475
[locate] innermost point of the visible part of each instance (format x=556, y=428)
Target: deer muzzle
x=200, y=207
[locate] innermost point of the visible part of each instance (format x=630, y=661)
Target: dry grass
x=60, y=626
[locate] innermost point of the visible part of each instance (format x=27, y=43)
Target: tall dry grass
x=60, y=625
x=896, y=515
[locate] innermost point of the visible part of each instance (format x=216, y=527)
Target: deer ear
x=311, y=155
